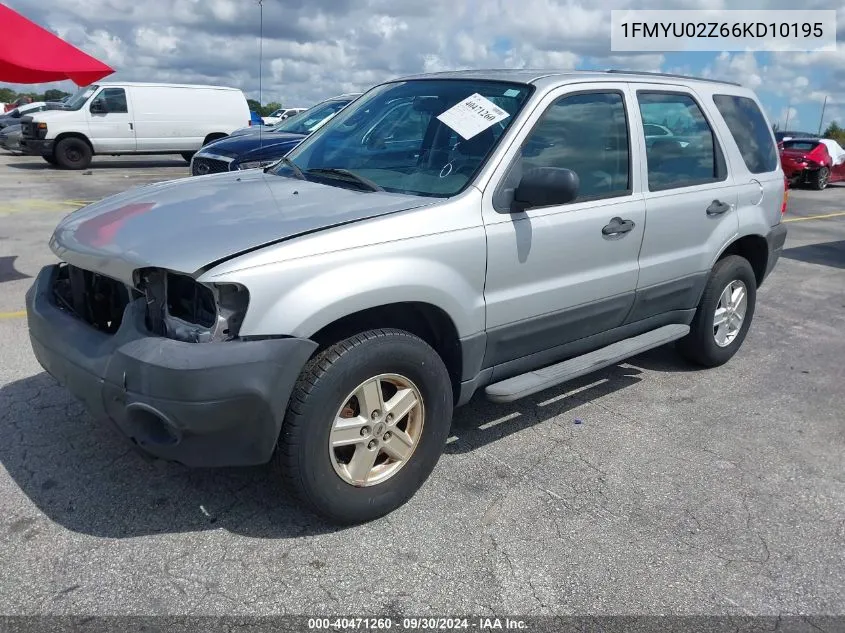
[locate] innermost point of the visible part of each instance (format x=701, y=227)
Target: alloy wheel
x=376, y=430
x=730, y=313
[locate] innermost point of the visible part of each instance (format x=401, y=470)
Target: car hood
x=50, y=115
x=237, y=146
x=189, y=224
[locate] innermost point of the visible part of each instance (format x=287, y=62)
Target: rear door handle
x=618, y=226
x=717, y=207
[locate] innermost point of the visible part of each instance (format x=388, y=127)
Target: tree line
x=836, y=133
x=263, y=110
x=832, y=131
x=7, y=95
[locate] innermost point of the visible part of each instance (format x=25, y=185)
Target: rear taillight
x=785, y=195
x=250, y=123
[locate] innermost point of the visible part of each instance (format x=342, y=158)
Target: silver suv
x=502, y=231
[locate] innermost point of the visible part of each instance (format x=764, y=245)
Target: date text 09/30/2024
x=416, y=624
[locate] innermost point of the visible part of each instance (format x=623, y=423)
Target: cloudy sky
x=317, y=48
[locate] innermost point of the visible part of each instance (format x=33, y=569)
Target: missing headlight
x=96, y=299
x=190, y=301
x=181, y=308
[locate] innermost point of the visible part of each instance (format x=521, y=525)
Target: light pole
x=788, y=108
x=260, y=65
x=260, y=46
x=821, y=118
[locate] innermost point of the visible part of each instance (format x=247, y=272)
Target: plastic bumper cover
x=201, y=404
x=775, y=239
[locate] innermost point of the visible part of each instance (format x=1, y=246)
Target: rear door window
x=690, y=154
x=750, y=131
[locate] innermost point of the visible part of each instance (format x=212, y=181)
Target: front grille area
x=201, y=166
x=97, y=300
x=27, y=129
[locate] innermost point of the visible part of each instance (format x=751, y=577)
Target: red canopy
x=30, y=54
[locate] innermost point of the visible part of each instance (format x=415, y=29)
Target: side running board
x=537, y=380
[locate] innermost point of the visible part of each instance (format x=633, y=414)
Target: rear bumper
x=775, y=239
x=201, y=404
x=37, y=147
x=799, y=174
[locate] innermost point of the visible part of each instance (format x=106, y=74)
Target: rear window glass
x=750, y=131
x=804, y=146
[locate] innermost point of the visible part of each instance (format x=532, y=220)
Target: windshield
x=308, y=121
x=78, y=100
x=421, y=137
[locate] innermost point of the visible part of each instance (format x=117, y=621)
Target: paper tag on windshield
x=472, y=116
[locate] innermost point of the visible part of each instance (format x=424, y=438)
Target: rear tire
x=710, y=345
x=820, y=178
x=187, y=156
x=319, y=471
x=73, y=153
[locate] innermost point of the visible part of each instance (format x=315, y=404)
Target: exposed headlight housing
x=181, y=308
x=255, y=164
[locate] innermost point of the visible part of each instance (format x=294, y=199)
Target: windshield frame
x=350, y=110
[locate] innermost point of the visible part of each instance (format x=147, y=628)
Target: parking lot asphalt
x=680, y=490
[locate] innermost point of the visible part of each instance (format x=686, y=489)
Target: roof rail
x=653, y=74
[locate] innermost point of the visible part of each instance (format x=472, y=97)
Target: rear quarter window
x=750, y=132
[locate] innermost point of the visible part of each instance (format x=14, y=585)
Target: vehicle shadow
x=826, y=253
x=32, y=163
x=482, y=422
x=87, y=478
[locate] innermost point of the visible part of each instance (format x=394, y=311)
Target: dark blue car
x=260, y=146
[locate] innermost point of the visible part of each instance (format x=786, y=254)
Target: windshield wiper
x=347, y=175
x=294, y=167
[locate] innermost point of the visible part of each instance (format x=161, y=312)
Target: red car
x=812, y=161
x=18, y=102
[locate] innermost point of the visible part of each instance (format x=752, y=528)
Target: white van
x=133, y=118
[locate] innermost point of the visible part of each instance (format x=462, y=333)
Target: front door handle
x=717, y=207
x=618, y=226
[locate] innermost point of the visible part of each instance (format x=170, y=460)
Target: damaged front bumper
x=201, y=404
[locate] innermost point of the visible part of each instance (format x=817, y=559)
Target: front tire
x=366, y=425
x=724, y=313
x=73, y=153
x=820, y=178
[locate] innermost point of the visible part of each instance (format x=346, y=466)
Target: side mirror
x=98, y=107
x=545, y=187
